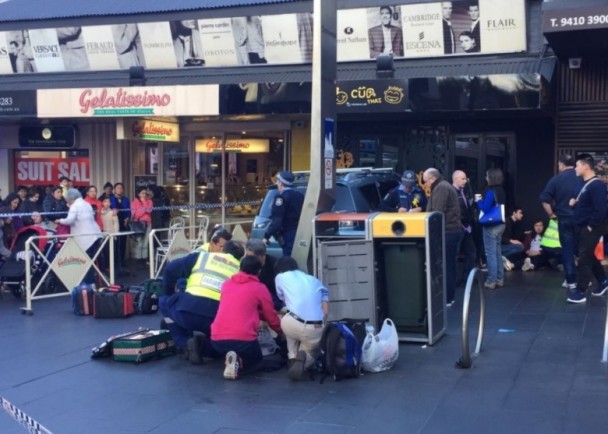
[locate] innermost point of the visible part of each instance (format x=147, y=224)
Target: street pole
x=321, y=186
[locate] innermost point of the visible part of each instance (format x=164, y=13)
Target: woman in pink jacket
x=141, y=211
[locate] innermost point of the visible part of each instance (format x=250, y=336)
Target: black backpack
x=340, y=349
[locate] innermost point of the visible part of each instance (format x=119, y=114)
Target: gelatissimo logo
x=71, y=260
x=112, y=102
x=149, y=129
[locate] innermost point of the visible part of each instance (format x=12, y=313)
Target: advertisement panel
x=194, y=100
x=433, y=29
x=217, y=41
x=47, y=171
x=281, y=38
x=46, y=51
x=99, y=45
x=157, y=45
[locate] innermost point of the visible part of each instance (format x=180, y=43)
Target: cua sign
x=47, y=171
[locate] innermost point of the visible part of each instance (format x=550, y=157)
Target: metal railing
x=49, y=263
x=465, y=361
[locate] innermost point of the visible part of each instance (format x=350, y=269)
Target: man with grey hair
x=81, y=220
x=444, y=199
x=257, y=248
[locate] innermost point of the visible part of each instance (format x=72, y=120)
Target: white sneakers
x=528, y=265
x=231, y=371
x=508, y=265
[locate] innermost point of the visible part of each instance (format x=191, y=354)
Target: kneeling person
x=194, y=309
x=307, y=302
x=244, y=302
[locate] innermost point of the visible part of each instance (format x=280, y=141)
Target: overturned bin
x=409, y=263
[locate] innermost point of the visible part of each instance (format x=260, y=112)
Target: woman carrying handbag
x=141, y=222
x=493, y=199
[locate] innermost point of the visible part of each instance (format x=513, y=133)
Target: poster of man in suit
x=387, y=37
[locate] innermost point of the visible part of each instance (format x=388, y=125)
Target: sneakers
x=500, y=283
x=508, y=265
x=577, y=297
x=232, y=362
x=565, y=284
x=601, y=289
x=450, y=303
x=489, y=285
x=528, y=265
x=296, y=370
x=195, y=348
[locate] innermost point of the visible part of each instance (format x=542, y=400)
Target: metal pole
x=223, y=171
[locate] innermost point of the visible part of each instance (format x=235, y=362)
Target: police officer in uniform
x=285, y=213
x=407, y=197
x=193, y=309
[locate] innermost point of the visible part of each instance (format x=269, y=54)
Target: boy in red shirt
x=243, y=303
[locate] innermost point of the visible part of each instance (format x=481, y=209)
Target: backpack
x=340, y=349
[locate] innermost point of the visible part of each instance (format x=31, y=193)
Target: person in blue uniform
x=285, y=213
x=407, y=197
x=192, y=308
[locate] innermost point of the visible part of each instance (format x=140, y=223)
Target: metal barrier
x=69, y=265
x=178, y=245
x=465, y=362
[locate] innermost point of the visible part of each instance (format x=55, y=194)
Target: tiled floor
x=539, y=372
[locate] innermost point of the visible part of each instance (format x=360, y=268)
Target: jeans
x=588, y=265
x=491, y=241
x=566, y=239
x=512, y=252
x=452, y=241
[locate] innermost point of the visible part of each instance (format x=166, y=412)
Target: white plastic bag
x=380, y=352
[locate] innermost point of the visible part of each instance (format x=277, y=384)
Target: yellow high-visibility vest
x=209, y=272
x=550, y=238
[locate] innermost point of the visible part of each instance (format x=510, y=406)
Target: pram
x=13, y=272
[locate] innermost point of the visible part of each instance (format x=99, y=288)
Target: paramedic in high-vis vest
x=193, y=309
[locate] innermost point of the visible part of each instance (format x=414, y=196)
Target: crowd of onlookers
x=111, y=211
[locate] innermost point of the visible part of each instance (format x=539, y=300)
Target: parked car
x=359, y=190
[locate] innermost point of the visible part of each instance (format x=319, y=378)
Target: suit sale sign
x=47, y=171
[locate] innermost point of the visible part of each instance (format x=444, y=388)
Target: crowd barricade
x=66, y=265
x=171, y=243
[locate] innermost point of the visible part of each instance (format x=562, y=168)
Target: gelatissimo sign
x=244, y=145
x=129, y=101
x=144, y=129
x=371, y=96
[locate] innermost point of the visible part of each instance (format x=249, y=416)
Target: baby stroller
x=12, y=271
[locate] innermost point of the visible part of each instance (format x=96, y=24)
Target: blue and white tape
x=26, y=421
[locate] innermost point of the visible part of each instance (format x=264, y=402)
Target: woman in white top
x=84, y=228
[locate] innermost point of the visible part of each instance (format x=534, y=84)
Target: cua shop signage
x=371, y=96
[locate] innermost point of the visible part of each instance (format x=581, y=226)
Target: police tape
x=28, y=423
x=184, y=207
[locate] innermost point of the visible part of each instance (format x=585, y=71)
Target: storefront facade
x=443, y=102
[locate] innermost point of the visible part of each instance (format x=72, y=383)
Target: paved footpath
x=539, y=372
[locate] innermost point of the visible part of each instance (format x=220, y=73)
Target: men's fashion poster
x=437, y=29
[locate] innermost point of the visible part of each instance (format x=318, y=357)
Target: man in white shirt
x=307, y=302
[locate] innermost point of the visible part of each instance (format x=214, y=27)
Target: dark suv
x=358, y=190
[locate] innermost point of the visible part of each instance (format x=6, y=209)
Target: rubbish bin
x=343, y=260
x=410, y=273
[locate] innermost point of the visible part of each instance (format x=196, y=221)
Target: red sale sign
x=47, y=171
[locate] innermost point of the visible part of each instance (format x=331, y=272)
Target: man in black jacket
x=467, y=245
x=444, y=199
x=589, y=224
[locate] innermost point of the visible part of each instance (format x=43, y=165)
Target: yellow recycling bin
x=409, y=257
